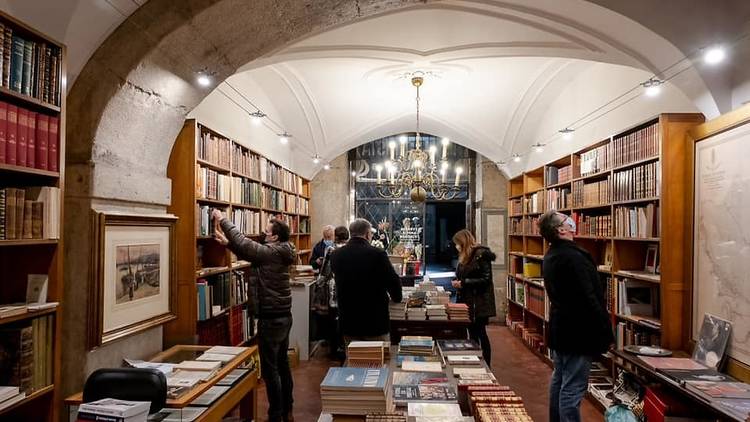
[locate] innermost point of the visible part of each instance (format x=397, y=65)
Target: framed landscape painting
x=133, y=277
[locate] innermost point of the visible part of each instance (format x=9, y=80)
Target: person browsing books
x=269, y=277
x=319, y=250
x=579, y=326
x=475, y=288
x=364, y=279
x=325, y=302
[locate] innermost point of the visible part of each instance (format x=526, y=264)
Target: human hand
x=456, y=284
x=319, y=261
x=216, y=215
x=220, y=237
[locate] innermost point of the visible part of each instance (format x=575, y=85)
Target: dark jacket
x=269, y=271
x=477, y=289
x=319, y=251
x=364, y=278
x=579, y=322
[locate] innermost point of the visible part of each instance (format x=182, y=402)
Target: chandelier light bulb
x=445, y=141
x=392, y=144
x=417, y=163
x=378, y=168
x=354, y=174
x=516, y=158
x=714, y=55
x=444, y=166
x=433, y=149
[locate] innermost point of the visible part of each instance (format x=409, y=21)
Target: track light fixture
x=652, y=87
x=257, y=117
x=316, y=159
x=327, y=167
x=516, y=158
x=284, y=138
x=538, y=147
x=205, y=77
x=567, y=133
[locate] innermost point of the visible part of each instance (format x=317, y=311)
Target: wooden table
x=647, y=374
x=242, y=394
x=438, y=330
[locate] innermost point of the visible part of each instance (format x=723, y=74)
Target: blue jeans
x=569, y=382
x=273, y=342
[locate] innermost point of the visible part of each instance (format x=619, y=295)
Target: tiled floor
x=512, y=363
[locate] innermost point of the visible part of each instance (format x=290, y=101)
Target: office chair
x=134, y=384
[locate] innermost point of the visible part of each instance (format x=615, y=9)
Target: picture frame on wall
x=132, y=285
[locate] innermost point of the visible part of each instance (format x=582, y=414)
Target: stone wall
x=330, y=197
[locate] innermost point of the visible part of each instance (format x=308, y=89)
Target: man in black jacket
x=364, y=279
x=579, y=326
x=319, y=250
x=272, y=297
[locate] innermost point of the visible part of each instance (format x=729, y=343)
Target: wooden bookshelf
x=20, y=255
x=250, y=185
x=666, y=156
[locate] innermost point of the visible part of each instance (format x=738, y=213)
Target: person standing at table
x=475, y=287
x=319, y=250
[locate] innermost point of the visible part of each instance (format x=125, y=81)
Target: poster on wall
x=721, y=253
x=493, y=234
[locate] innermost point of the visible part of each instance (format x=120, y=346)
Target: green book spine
x=16, y=64
x=28, y=52
x=7, y=50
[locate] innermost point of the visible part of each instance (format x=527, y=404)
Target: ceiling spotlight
x=567, y=133
x=652, y=87
x=538, y=147
x=354, y=174
x=257, y=118
x=516, y=158
x=714, y=55
x=316, y=159
x=204, y=79
x=327, y=167
x=284, y=138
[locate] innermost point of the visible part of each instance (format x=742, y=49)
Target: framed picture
x=492, y=225
x=133, y=275
x=651, y=257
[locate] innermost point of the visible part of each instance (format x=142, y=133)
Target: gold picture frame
x=132, y=286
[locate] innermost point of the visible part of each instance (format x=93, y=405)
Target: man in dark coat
x=579, y=325
x=365, y=278
x=269, y=276
x=319, y=250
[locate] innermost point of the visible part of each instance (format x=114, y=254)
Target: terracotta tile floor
x=512, y=363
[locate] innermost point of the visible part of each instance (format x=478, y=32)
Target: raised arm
x=244, y=247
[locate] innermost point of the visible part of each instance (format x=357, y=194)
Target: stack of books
x=365, y=354
x=411, y=387
x=465, y=360
x=354, y=391
x=436, y=312
x=458, y=311
x=115, y=410
x=439, y=297
x=459, y=347
x=416, y=314
x=416, y=345
x=435, y=411
x=397, y=311
x=10, y=395
x=497, y=403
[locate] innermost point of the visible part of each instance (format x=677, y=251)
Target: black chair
x=134, y=384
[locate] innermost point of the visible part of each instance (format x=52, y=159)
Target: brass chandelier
x=416, y=170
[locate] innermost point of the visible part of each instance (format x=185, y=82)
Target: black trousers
x=478, y=333
x=273, y=342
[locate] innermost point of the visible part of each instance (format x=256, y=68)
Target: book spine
x=26, y=70
x=53, y=142
x=11, y=132
x=27, y=219
x=2, y=214
x=21, y=146
x=7, y=54
x=10, y=213
x=31, y=140
x=3, y=127
x=42, y=134
x=16, y=64
x=20, y=197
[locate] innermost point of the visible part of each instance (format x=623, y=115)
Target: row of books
x=516, y=207
x=596, y=160
x=515, y=226
x=636, y=183
x=516, y=292
x=28, y=139
x=531, y=335
x=558, y=199
x=27, y=357
x=273, y=199
x=246, y=192
x=304, y=225
x=530, y=225
x=638, y=222
x=636, y=146
x=213, y=149
x=490, y=403
x=593, y=225
x=536, y=301
x=221, y=291
x=610, y=294
x=245, y=162
x=210, y=184
x=29, y=67
x=280, y=177
x=534, y=203
x=627, y=334
x=555, y=175
x=588, y=194
x=242, y=325
x=204, y=225
x=31, y=213
x=248, y=222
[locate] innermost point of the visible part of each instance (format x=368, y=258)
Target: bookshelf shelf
x=28, y=242
x=213, y=201
x=7, y=168
x=519, y=196
x=637, y=239
x=591, y=207
x=559, y=185
x=29, y=101
x=592, y=237
x=211, y=165
x=639, y=321
x=636, y=163
x=249, y=207
x=530, y=312
x=596, y=176
x=29, y=398
x=534, y=213
x=27, y=315
x=636, y=201
x=246, y=176
x=653, y=278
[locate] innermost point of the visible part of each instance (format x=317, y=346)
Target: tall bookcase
x=210, y=170
x=616, y=190
x=32, y=172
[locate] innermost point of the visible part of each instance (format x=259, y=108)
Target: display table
x=647, y=374
x=438, y=330
x=242, y=394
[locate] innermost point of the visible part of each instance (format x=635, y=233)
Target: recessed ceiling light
x=204, y=80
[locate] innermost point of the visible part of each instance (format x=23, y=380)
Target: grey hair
x=548, y=224
x=359, y=227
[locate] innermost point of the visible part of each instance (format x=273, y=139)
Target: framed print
x=651, y=258
x=493, y=223
x=133, y=275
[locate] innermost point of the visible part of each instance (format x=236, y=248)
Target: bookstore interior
x=195, y=197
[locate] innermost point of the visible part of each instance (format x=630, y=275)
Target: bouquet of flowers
x=377, y=243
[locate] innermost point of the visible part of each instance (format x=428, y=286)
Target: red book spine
x=42, y=133
x=53, y=142
x=31, y=141
x=11, y=131
x=3, y=126
x=21, y=137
